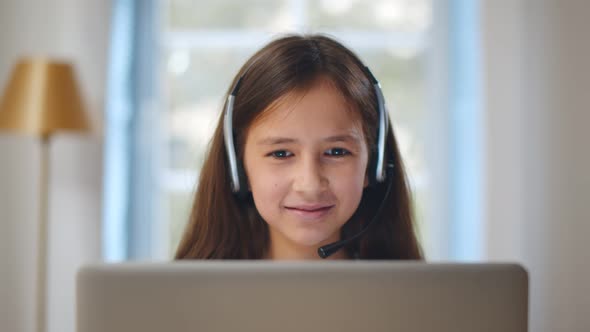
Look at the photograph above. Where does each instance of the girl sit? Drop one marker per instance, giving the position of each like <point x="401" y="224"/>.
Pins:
<point x="302" y="158"/>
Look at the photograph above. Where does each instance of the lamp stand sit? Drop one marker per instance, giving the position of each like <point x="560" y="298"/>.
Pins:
<point x="42" y="248"/>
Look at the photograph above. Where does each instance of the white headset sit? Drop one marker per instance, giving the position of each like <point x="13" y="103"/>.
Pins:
<point x="237" y="174"/>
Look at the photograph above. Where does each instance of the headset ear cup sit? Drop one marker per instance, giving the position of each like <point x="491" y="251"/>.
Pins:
<point x="372" y="169"/>
<point x="243" y="181"/>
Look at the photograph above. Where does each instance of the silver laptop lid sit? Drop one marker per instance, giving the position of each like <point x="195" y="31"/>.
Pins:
<point x="265" y="296"/>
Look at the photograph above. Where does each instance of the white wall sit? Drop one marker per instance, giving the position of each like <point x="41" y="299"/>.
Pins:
<point x="20" y="172"/>
<point x="74" y="222"/>
<point x="77" y="31"/>
<point x="537" y="69"/>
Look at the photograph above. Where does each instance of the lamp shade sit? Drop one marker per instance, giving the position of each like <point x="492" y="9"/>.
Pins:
<point x="42" y="97"/>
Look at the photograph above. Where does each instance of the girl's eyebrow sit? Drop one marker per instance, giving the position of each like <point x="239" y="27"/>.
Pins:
<point x="344" y="138"/>
<point x="275" y="141"/>
<point x="284" y="140"/>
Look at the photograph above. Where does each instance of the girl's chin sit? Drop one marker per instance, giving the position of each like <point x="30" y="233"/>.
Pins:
<point x="306" y="240"/>
<point x="312" y="242"/>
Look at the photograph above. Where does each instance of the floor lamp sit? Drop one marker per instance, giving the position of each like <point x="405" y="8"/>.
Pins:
<point x="40" y="99"/>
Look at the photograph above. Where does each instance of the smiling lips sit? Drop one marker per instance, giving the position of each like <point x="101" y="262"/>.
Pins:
<point x="310" y="212"/>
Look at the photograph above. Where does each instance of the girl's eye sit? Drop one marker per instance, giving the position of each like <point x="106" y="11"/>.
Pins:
<point x="337" y="152"/>
<point x="280" y="154"/>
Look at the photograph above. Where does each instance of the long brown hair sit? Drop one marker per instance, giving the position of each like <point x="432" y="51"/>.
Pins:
<point x="223" y="226"/>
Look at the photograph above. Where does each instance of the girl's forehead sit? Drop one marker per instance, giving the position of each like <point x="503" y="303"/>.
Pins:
<point x="320" y="105"/>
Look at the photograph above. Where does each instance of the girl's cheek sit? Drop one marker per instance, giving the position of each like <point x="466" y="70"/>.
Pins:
<point x="276" y="187"/>
<point x="270" y="184"/>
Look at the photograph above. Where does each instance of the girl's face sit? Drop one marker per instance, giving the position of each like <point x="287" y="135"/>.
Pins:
<point x="306" y="161"/>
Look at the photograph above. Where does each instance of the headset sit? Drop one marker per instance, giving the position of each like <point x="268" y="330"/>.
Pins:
<point x="380" y="168"/>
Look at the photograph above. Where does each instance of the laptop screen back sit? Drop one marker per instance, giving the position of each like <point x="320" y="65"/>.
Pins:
<point x="265" y="296"/>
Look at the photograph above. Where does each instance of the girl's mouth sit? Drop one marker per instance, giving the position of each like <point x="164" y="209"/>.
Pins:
<point x="310" y="212"/>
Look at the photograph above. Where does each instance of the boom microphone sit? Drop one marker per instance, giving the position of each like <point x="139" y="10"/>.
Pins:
<point x="329" y="249"/>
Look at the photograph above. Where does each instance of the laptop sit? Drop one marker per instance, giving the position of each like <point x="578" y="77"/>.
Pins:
<point x="265" y="296"/>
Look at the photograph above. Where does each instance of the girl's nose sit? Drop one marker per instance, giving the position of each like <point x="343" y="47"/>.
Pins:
<point x="310" y="177"/>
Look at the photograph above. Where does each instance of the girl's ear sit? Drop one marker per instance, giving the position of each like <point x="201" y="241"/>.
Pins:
<point x="366" y="184"/>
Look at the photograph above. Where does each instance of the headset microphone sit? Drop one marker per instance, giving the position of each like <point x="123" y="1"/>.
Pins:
<point x="329" y="249"/>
